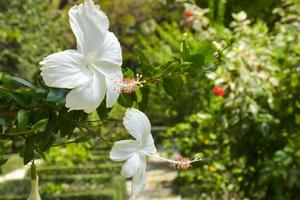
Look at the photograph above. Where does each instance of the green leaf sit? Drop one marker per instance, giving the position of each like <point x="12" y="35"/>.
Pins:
<point x="185" y="50"/>
<point x="3" y="161"/>
<point x="7" y="81"/>
<point x="67" y="122"/>
<point x="2" y="122"/>
<point x="139" y="96"/>
<point x="66" y="126"/>
<point x="22" y="82"/>
<point x="126" y="100"/>
<point x="5" y="144"/>
<point x="197" y="59"/>
<point x="169" y="68"/>
<point x="141" y="57"/>
<point x="83" y="138"/>
<point x="103" y="112"/>
<point x="28" y="152"/>
<point x="70" y="121"/>
<point x="41" y="153"/>
<point x="145" y="98"/>
<point x="172" y="85"/>
<point x="128" y="73"/>
<point x="169" y="88"/>
<point x="219" y="165"/>
<point x="40" y="124"/>
<point x="202" y="55"/>
<point x="28" y="156"/>
<point x="47" y="142"/>
<point x="56" y="95"/>
<point x="18" y="98"/>
<point x="146" y="68"/>
<point x="23" y="117"/>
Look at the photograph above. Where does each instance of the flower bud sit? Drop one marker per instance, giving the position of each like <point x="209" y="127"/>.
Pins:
<point x="34" y="193"/>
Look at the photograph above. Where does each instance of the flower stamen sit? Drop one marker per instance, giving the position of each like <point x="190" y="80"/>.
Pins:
<point x="180" y="163"/>
<point x="127" y="85"/>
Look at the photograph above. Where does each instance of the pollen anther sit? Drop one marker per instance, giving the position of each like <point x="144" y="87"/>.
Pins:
<point x="127" y="85"/>
<point x="181" y="163"/>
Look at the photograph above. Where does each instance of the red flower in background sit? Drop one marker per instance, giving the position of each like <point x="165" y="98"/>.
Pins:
<point x="188" y="14"/>
<point x="218" y="91"/>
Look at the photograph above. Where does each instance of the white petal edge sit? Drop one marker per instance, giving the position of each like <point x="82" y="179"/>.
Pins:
<point x="87" y="97"/>
<point x="131" y="166"/>
<point x="139" y="179"/>
<point x="111" y="50"/>
<point x="65" y="69"/>
<point x="122" y="150"/>
<point x="112" y="94"/>
<point x="90" y="26"/>
<point x="149" y="147"/>
<point x="137" y="124"/>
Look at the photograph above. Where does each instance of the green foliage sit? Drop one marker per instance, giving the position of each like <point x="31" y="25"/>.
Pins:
<point x="13" y="162"/>
<point x="193" y="57"/>
<point x="37" y="115"/>
<point x="29" y="32"/>
<point x="220" y="10"/>
<point x="248" y="138"/>
<point x="76" y="153"/>
<point x="4" y="146"/>
<point x="217" y="10"/>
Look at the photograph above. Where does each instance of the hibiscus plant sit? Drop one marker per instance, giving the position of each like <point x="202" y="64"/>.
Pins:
<point x="73" y="84"/>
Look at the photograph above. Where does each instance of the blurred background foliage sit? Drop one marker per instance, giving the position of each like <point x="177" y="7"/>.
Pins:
<point x="29" y="32"/>
<point x="239" y="111"/>
<point x="248" y="135"/>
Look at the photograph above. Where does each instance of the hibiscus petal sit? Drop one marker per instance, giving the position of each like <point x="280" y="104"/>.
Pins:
<point x="111" y="50"/>
<point x="89" y="24"/>
<point x="87" y="97"/>
<point x="149" y="147"/>
<point x="131" y="166"/>
<point x="112" y="73"/>
<point x="137" y="124"/>
<point x="112" y="93"/>
<point x="34" y="193"/>
<point x="139" y="179"/>
<point x="122" y="150"/>
<point x="65" y="69"/>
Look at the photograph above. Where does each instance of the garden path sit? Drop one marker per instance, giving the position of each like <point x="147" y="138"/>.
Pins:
<point x="17" y="174"/>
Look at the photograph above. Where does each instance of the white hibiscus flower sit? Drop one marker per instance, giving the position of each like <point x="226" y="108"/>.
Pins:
<point x="34" y="193"/>
<point x="135" y="152"/>
<point x="92" y="70"/>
